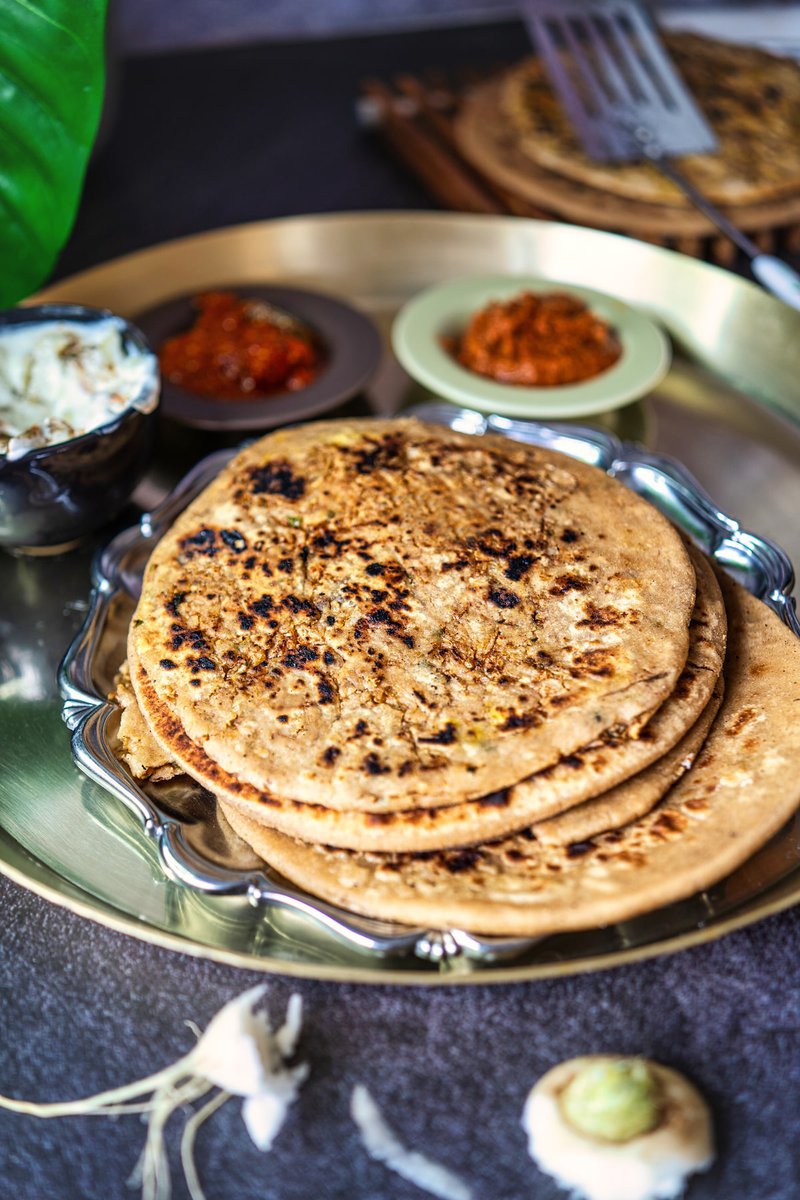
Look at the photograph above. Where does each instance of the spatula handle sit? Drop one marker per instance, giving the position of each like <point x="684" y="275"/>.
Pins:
<point x="777" y="277"/>
<point x="772" y="273"/>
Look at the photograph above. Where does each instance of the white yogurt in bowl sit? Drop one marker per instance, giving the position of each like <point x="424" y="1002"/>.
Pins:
<point x="60" y="379"/>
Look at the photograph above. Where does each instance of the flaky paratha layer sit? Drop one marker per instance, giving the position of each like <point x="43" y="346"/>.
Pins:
<point x="635" y="797"/>
<point x="379" y="615"/>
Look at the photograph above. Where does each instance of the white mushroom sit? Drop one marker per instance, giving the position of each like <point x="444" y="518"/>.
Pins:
<point x="612" y="1128"/>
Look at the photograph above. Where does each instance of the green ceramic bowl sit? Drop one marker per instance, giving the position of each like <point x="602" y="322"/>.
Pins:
<point x="444" y="311"/>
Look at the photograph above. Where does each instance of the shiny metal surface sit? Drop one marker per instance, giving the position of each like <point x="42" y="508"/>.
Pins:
<point x="71" y="840"/>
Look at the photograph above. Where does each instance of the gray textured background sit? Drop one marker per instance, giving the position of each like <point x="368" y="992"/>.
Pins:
<point x="85" y="1009"/>
<point x="146" y="25"/>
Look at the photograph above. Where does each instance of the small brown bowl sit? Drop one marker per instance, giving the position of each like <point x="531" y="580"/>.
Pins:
<point x="52" y="497"/>
<point x="350" y="342"/>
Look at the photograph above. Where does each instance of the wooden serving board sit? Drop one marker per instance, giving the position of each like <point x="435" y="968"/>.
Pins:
<point x="437" y="127"/>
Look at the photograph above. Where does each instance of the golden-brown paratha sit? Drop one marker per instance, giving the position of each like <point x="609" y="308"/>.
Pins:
<point x="377" y="615"/>
<point x="743" y="786"/>
<point x="588" y="772"/>
<point x="750" y="98"/>
<point x="635" y="796"/>
<point x="691" y="696"/>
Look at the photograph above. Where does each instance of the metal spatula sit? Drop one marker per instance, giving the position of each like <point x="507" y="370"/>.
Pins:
<point x="627" y="102"/>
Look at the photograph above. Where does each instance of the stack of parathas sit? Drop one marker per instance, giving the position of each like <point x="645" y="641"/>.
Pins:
<point x="460" y="681"/>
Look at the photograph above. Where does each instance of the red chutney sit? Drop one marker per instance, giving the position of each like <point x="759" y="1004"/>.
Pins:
<point x="538" y="340"/>
<point x="238" y="350"/>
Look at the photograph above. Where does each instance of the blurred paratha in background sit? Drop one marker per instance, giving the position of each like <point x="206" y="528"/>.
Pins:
<point x="750" y="98"/>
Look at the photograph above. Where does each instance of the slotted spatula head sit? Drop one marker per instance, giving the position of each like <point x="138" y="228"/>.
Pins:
<point x="621" y="91"/>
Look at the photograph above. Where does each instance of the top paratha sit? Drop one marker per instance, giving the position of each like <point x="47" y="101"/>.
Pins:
<point x="379" y="614"/>
<point x="750" y="98"/>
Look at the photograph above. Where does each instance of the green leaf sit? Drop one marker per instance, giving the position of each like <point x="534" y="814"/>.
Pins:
<point x="52" y="75"/>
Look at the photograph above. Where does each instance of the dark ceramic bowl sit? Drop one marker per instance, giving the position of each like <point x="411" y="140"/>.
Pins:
<point x="52" y="497"/>
<point x="351" y="344"/>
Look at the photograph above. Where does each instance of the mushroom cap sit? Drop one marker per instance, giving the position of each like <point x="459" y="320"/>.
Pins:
<point x="650" y="1166"/>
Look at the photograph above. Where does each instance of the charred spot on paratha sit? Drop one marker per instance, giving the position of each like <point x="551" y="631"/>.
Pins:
<point x="568" y="583"/>
<point x="276" y="478"/>
<point x="503" y="597"/>
<point x="602" y="616"/>
<point x="173" y="604"/>
<point x="234" y="540"/>
<point x="743" y="718"/>
<point x="384" y="453"/>
<point x="444" y="737"/>
<point x="518" y="566"/>
<point x="522" y="720"/>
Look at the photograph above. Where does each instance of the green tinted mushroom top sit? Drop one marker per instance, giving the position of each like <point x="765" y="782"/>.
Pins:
<point x="614" y="1100"/>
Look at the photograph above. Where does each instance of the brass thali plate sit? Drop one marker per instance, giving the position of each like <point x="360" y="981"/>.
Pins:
<point x="68" y="839"/>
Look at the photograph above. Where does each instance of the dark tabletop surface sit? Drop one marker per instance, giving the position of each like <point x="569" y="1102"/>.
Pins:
<point x="215" y="138"/>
